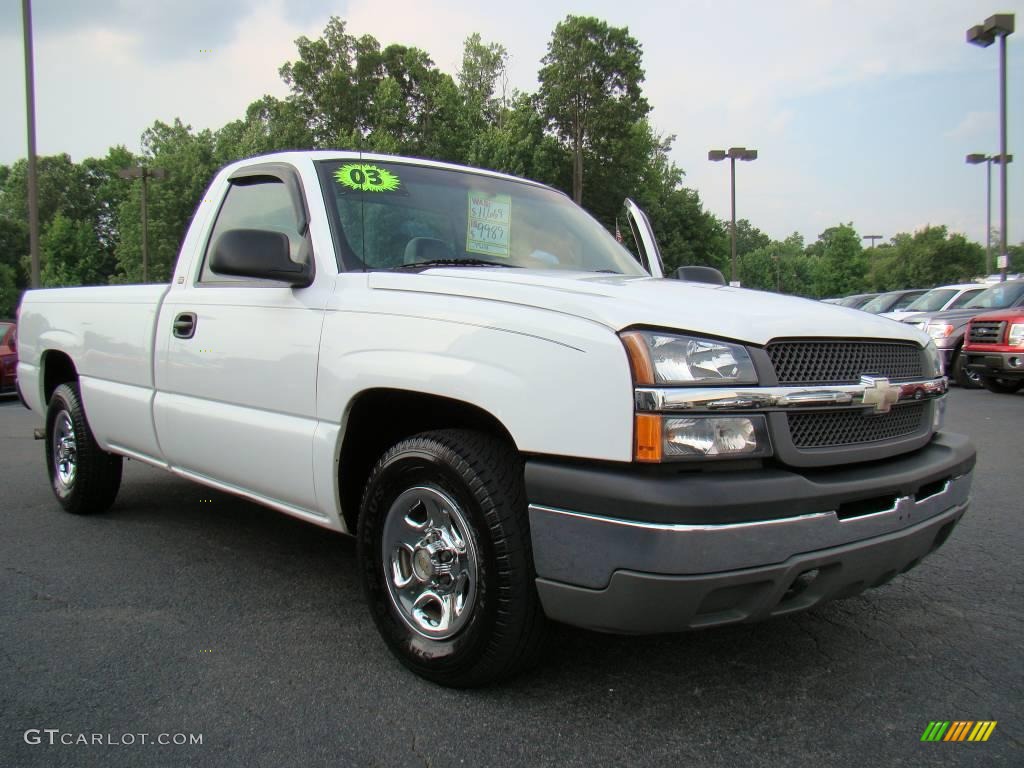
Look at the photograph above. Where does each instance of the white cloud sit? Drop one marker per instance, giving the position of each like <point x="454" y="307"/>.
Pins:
<point x="973" y="124"/>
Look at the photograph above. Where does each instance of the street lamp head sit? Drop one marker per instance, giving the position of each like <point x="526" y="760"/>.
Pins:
<point x="999" y="25"/>
<point x="997" y="159"/>
<point x="750" y="154"/>
<point x="975" y="158"/>
<point x="977" y="35"/>
<point x="130" y="173"/>
<point x="716" y="155"/>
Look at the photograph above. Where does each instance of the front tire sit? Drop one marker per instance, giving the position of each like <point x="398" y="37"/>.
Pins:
<point x="84" y="478"/>
<point x="445" y="558"/>
<point x="964" y="377"/>
<point x="1002" y="386"/>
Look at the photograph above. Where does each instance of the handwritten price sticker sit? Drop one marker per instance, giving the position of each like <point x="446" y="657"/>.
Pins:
<point x="489" y="224"/>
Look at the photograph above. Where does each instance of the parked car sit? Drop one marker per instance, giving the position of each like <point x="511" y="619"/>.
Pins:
<point x="8" y="357"/>
<point x="937" y="300"/>
<point x="856" y="301"/>
<point x="516" y="419"/>
<point x="947" y="328"/>
<point x="994" y="349"/>
<point x="893" y="301"/>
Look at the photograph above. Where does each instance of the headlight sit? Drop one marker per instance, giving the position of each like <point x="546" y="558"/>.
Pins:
<point x="1016" y="337"/>
<point x="667" y="438"/>
<point x="939" y="330"/>
<point x="931" y="353"/>
<point x="663" y="358"/>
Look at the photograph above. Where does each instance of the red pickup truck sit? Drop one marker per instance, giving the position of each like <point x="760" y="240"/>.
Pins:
<point x="994" y="349"/>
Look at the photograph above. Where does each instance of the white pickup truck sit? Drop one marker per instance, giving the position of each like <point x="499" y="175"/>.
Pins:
<point x="517" y="419"/>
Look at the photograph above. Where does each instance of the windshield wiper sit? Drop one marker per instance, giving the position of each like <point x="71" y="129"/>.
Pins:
<point x="454" y="263"/>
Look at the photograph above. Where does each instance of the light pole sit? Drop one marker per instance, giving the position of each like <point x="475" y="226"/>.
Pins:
<point x="144" y="173"/>
<point x="1000" y="25"/>
<point x="872" y="238"/>
<point x="30" y="113"/>
<point x="977" y="158"/>
<point x="734" y="154"/>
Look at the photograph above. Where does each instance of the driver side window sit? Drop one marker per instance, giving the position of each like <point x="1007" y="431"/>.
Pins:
<point x="259" y="202"/>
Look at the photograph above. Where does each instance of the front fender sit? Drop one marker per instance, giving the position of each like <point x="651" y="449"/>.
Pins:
<point x="554" y="397"/>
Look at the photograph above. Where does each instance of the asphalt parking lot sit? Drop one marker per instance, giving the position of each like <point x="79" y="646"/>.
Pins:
<point x="188" y="611"/>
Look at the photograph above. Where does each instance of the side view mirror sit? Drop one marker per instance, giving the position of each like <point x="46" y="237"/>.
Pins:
<point x="700" y="275"/>
<point x="259" y="253"/>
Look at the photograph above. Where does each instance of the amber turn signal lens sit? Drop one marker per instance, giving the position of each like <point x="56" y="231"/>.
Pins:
<point x="648" y="437"/>
<point x="639" y="358"/>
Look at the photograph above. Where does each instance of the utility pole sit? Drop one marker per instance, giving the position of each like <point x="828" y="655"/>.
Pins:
<point x="144" y="173"/>
<point x="30" y="113"/>
<point x="1000" y="25"/>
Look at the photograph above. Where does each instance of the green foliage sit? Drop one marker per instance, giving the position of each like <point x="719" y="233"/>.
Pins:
<point x="590" y="91"/>
<point x="838" y="263"/>
<point x="483" y="81"/>
<point x="929" y="257"/>
<point x="191" y="161"/>
<point x="70" y="253"/>
<point x="10" y="291"/>
<point x="774" y="265"/>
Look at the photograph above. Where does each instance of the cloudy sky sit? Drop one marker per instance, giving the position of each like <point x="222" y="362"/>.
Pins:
<point x="862" y="110"/>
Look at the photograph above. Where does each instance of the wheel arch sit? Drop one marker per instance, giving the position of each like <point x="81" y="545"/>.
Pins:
<point x="378" y="418"/>
<point x="57" y="368"/>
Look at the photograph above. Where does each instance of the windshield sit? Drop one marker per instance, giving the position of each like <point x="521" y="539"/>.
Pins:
<point x="4" y="328"/>
<point x="881" y="303"/>
<point x="997" y="297"/>
<point x="394" y="216"/>
<point x="931" y="301"/>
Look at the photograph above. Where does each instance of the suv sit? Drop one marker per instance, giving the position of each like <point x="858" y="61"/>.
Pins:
<point x="947" y="328"/>
<point x="994" y="350"/>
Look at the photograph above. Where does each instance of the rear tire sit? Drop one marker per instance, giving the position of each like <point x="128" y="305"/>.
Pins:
<point x="964" y="377"/>
<point x="84" y="478"/>
<point x="1002" y="386"/>
<point x="446" y="561"/>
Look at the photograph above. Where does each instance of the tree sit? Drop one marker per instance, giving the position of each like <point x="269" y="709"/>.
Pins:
<point x="71" y="254"/>
<point x="590" y="90"/>
<point x="838" y="264"/>
<point x="519" y="145"/>
<point x="776" y="265"/>
<point x="929" y="257"/>
<point x="749" y="238"/>
<point x="483" y="74"/>
<point x="190" y="160"/>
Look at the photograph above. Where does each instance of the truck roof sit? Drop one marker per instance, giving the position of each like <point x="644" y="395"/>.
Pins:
<point x="320" y="155"/>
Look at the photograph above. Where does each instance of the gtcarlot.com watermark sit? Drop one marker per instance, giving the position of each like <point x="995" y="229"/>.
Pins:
<point x="55" y="737"/>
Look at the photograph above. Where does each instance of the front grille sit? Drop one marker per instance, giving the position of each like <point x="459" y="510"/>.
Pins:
<point x="824" y="429"/>
<point x="844" y="362"/>
<point x="986" y="332"/>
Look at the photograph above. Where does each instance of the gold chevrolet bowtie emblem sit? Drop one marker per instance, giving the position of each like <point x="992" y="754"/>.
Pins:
<point x="880" y="393"/>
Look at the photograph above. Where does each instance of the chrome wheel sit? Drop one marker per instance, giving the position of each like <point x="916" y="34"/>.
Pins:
<point x="430" y="562"/>
<point x="65" y="450"/>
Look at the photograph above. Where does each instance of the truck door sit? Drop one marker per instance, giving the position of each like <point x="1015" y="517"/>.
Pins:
<point x="647" y="251"/>
<point x="237" y="357"/>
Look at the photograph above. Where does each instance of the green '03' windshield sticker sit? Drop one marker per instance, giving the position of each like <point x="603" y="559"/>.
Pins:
<point x="368" y="178"/>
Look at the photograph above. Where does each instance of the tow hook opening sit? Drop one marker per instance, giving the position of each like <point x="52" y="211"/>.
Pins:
<point x="800" y="584"/>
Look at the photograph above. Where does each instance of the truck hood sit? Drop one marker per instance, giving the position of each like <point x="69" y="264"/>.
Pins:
<point x="957" y="317"/>
<point x="621" y="301"/>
